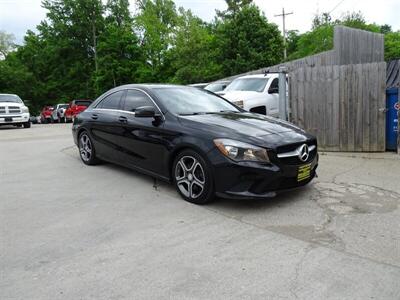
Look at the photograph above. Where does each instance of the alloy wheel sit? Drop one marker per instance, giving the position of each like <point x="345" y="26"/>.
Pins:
<point x="189" y="177"/>
<point x="85" y="147"/>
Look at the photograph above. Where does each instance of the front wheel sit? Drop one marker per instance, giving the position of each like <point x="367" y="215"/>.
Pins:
<point x="86" y="149"/>
<point x="27" y="125"/>
<point x="193" y="178"/>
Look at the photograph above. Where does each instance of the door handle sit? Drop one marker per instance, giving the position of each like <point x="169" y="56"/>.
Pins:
<point x="95" y="116"/>
<point x="123" y="119"/>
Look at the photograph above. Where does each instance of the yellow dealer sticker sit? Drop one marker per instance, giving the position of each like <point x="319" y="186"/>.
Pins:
<point x="304" y="172"/>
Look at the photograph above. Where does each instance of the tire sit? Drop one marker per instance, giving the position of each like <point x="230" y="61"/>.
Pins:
<point x="193" y="178"/>
<point x="87" y="152"/>
<point x="27" y="125"/>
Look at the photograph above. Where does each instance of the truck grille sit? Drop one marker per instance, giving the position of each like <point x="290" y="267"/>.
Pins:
<point x="14" y="110"/>
<point x="6" y="110"/>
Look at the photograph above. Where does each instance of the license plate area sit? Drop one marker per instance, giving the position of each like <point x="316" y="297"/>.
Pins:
<point x="8" y="119"/>
<point x="304" y="172"/>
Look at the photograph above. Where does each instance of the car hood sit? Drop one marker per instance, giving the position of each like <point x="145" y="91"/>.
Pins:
<point x="247" y="127"/>
<point x="241" y="95"/>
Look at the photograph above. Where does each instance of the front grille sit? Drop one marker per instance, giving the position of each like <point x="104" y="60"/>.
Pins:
<point x="14" y="110"/>
<point x="2" y="110"/>
<point x="295" y="160"/>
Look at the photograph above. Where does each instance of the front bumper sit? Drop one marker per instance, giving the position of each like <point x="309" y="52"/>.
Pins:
<point x="254" y="180"/>
<point x="15" y="119"/>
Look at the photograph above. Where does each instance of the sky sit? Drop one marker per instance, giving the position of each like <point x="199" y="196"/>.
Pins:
<point x="17" y="16"/>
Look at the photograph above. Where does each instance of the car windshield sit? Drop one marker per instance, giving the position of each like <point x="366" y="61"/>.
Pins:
<point x="10" y="98"/>
<point x="248" y="84"/>
<point x="216" y="87"/>
<point x="83" y="103"/>
<point x="189" y="101"/>
<point x="63" y="106"/>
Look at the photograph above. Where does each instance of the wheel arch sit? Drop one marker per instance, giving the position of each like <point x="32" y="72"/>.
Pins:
<point x="175" y="152"/>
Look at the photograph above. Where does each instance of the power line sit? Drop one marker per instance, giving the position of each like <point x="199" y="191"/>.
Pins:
<point x="337" y="5"/>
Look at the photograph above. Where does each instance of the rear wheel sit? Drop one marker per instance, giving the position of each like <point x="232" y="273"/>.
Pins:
<point x="86" y="149"/>
<point x="193" y="178"/>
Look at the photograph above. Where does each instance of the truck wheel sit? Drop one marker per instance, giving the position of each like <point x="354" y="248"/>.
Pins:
<point x="27" y="125"/>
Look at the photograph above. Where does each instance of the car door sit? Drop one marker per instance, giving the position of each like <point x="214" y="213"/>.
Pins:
<point x="141" y="139"/>
<point x="272" y="94"/>
<point x="104" y="125"/>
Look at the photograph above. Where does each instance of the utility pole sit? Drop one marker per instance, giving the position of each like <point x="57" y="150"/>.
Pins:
<point x="283" y="15"/>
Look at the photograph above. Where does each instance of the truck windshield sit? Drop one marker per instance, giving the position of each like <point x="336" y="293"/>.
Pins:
<point x="10" y="98"/>
<point x="248" y="84"/>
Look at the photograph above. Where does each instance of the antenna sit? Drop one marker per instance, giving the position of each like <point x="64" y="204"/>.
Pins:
<point x="283" y="15"/>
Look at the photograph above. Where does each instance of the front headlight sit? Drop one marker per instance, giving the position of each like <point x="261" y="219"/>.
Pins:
<point x="239" y="151"/>
<point x="25" y="109"/>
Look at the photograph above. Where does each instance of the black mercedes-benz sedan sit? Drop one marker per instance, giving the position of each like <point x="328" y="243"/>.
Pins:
<point x="198" y="141"/>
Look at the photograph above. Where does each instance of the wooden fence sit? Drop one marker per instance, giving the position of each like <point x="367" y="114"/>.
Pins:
<point x="342" y="105"/>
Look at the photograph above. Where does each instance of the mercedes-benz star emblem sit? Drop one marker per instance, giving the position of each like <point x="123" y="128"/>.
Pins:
<point x="304" y="152"/>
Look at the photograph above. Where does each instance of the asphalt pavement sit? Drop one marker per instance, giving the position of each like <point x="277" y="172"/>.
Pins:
<point x="70" y="231"/>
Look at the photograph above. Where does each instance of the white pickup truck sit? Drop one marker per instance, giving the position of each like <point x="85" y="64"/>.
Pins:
<point x="13" y="111"/>
<point x="255" y="93"/>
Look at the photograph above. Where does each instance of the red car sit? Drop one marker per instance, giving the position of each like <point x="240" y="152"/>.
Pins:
<point x="76" y="107"/>
<point x="45" y="114"/>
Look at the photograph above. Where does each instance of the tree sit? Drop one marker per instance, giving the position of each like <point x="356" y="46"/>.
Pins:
<point x="156" y="20"/>
<point x="392" y="45"/>
<point x="234" y="7"/>
<point x="6" y="43"/>
<point x="120" y="57"/>
<point x="247" y="41"/>
<point x="292" y="38"/>
<point x="194" y="55"/>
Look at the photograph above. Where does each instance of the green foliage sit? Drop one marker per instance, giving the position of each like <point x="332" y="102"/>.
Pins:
<point x="247" y="41"/>
<point x="392" y="45"/>
<point x="194" y="56"/>
<point x="156" y="21"/>
<point x="119" y="55"/>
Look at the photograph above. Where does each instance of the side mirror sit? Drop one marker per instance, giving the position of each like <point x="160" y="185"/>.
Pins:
<point x="273" y="90"/>
<point x="145" y="112"/>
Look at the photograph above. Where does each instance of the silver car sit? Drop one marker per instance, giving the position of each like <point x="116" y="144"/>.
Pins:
<point x="58" y="114"/>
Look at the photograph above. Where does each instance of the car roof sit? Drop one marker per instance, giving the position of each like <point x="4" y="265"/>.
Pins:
<point x="9" y="95"/>
<point x="268" y="75"/>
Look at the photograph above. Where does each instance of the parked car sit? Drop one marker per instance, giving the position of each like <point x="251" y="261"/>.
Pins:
<point x="13" y="111"/>
<point x="45" y="114"/>
<point x="74" y="108"/>
<point x="255" y="93"/>
<point x="35" y="119"/>
<point x="200" y="142"/>
<point x="217" y="87"/>
<point x="199" y="85"/>
<point x="58" y="114"/>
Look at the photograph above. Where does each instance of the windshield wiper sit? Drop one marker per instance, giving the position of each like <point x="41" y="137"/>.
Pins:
<point x="192" y="114"/>
<point x="230" y="111"/>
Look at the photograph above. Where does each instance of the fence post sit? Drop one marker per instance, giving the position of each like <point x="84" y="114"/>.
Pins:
<point x="282" y="94"/>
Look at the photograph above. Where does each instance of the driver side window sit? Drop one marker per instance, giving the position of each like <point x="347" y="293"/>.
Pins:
<point x="274" y="87"/>
<point x="135" y="99"/>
